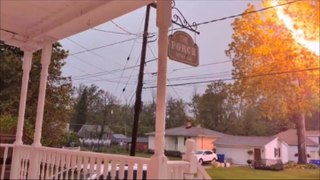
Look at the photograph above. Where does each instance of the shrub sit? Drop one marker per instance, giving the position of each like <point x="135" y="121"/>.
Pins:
<point x="294" y="165"/>
<point x="265" y="164"/>
<point x="311" y="166"/>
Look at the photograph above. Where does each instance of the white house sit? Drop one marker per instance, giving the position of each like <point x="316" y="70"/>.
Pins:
<point x="235" y="148"/>
<point x="175" y="138"/>
<point x="290" y="138"/>
<point x="282" y="146"/>
<point x="35" y="25"/>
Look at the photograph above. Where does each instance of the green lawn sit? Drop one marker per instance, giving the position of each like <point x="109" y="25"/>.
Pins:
<point x="247" y="173"/>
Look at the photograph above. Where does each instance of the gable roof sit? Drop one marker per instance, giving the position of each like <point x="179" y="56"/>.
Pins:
<point x="91" y="131"/>
<point x="313" y="133"/>
<point x="244" y="141"/>
<point x="290" y="137"/>
<point x="119" y="136"/>
<point x="190" y="132"/>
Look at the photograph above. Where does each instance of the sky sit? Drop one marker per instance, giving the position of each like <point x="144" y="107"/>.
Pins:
<point x="114" y="67"/>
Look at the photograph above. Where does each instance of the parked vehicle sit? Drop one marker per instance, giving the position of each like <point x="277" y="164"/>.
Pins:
<point x="205" y="156"/>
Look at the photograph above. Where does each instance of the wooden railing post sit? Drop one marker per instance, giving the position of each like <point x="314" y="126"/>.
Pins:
<point x="34" y="164"/>
<point x="191" y="158"/>
<point x="15" y="162"/>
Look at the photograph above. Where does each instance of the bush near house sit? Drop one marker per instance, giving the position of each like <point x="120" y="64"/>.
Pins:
<point x="267" y="164"/>
<point x="294" y="165"/>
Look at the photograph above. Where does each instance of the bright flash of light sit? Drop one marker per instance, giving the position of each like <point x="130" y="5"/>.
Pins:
<point x="297" y="34"/>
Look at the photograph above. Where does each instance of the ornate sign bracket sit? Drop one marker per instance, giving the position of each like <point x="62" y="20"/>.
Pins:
<point x="180" y="20"/>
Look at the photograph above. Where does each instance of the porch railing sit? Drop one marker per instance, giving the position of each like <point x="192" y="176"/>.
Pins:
<point x="30" y="162"/>
<point x="5" y="158"/>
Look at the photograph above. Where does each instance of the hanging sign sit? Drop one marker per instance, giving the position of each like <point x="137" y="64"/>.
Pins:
<point x="183" y="49"/>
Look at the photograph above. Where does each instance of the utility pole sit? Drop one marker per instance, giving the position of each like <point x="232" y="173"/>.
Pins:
<point x="137" y="105"/>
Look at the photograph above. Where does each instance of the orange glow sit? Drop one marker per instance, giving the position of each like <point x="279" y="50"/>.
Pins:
<point x="297" y="34"/>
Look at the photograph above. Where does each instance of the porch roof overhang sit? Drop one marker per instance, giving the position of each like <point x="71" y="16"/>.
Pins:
<point x="32" y="23"/>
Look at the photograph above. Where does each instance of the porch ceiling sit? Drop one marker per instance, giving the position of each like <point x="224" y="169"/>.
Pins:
<point x="34" y="22"/>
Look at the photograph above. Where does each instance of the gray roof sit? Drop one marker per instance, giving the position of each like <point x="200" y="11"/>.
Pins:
<point x="119" y="136"/>
<point x="313" y="133"/>
<point x="92" y="131"/>
<point x="244" y="141"/>
<point x="194" y="131"/>
<point x="290" y="137"/>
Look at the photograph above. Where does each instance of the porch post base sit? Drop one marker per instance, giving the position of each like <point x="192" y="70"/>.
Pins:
<point x="157" y="168"/>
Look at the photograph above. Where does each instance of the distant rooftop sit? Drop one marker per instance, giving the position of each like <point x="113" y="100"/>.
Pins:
<point x="290" y="137"/>
<point x="238" y="141"/>
<point x="193" y="131"/>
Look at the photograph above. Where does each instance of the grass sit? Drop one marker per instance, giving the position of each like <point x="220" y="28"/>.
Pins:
<point x="248" y="173"/>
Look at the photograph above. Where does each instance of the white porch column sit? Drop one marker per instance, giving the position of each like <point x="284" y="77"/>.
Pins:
<point x="26" y="66"/>
<point x="45" y="61"/>
<point x="158" y="164"/>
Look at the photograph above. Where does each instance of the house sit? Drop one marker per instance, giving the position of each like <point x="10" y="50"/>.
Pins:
<point x="314" y="136"/>
<point x="175" y="138"/>
<point x="141" y="144"/>
<point x="36" y="25"/>
<point x="235" y="148"/>
<point x="290" y="138"/>
<point x="90" y="135"/>
<point x="118" y="139"/>
<point x="282" y="146"/>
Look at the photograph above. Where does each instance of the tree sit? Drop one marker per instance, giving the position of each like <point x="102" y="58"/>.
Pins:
<point x="274" y="72"/>
<point x="81" y="110"/>
<point x="176" y="115"/>
<point x="212" y="106"/>
<point x="58" y="93"/>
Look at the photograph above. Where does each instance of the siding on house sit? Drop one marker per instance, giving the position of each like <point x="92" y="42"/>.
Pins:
<point x="170" y="143"/>
<point x="181" y="144"/>
<point x="270" y="148"/>
<point x="175" y="138"/>
<point x="284" y="151"/>
<point x="151" y="140"/>
<point x="294" y="149"/>
<point x="205" y="142"/>
<point x="237" y="155"/>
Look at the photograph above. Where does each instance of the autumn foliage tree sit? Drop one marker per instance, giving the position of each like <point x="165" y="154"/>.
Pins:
<point x="273" y="71"/>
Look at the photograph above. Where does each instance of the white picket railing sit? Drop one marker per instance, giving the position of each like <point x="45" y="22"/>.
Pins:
<point x="55" y="163"/>
<point x="176" y="169"/>
<point x="30" y="162"/>
<point x="6" y="153"/>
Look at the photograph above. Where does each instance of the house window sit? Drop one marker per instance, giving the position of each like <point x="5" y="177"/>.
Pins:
<point x="276" y="152"/>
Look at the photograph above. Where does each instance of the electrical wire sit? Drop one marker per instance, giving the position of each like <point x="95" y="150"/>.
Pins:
<point x="241" y="14"/>
<point x="92" y="52"/>
<point x="101" y="73"/>
<point x="107" y="45"/>
<point x="231" y="79"/>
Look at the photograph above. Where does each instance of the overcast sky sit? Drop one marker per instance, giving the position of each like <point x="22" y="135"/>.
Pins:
<point x="109" y="68"/>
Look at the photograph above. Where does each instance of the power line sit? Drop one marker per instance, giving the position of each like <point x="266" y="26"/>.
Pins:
<point x="121" y="28"/>
<point x="101" y="73"/>
<point x="230" y="79"/>
<point x="100" y="47"/>
<point x="207" y="64"/>
<point x="114" y="32"/>
<point x="241" y="14"/>
<point x="92" y="52"/>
